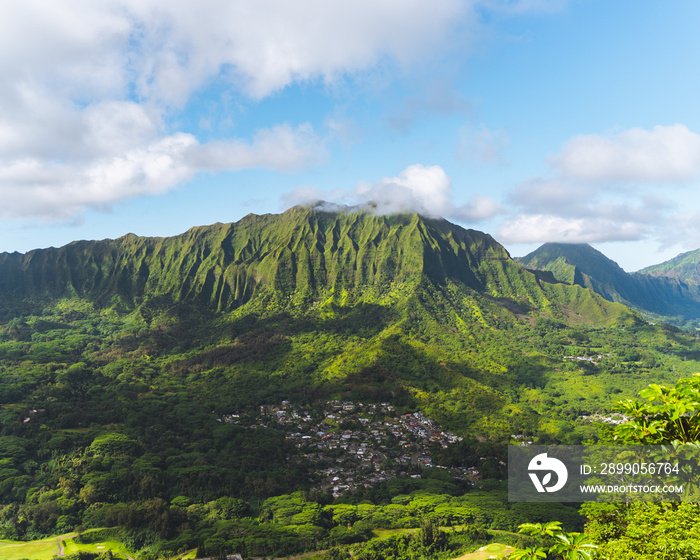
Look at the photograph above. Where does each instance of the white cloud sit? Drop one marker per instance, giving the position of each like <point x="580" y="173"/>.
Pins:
<point x="37" y="188"/>
<point x="89" y="87"/>
<point x="426" y="190"/>
<point x="419" y="188"/>
<point x="541" y="228"/>
<point x="480" y="208"/>
<point x="601" y="188"/>
<point x="166" y="50"/>
<point x="310" y="194"/>
<point x="666" y="154"/>
<point x="554" y="196"/>
<point x="482" y="145"/>
<point x="435" y="98"/>
<point x="282" y="148"/>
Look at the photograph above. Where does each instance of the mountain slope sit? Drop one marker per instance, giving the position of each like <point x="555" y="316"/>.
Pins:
<point x="665" y="296"/>
<point x="306" y="302"/>
<point x="685" y="267"/>
<point x="582" y="265"/>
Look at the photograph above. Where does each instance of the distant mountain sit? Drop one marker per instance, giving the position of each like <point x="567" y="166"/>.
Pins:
<point x="660" y="292"/>
<point x="582" y="265"/>
<point x="685" y="267"/>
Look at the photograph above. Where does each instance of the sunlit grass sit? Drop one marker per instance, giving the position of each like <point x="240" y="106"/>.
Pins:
<point x="117" y="548"/>
<point x="493" y="550"/>
<point x="46" y="549"/>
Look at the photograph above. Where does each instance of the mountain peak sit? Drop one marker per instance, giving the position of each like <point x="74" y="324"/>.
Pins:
<point x="574" y="263"/>
<point x="659" y="292"/>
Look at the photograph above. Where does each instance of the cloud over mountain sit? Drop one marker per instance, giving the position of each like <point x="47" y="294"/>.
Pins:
<point x="425" y="189"/>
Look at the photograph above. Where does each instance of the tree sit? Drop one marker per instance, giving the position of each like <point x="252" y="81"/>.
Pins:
<point x="669" y="415"/>
<point x="567" y="546"/>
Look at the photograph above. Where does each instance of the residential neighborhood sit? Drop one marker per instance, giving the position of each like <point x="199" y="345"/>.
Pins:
<point x="355" y="445"/>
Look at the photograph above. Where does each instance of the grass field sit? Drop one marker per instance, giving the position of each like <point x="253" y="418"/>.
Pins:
<point x="383" y="533"/>
<point x="116" y="547"/>
<point x="46" y="549"/>
<point x="493" y="550"/>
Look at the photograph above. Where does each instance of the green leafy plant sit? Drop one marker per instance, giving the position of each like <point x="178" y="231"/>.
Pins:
<point x="557" y="543"/>
<point x="670" y="414"/>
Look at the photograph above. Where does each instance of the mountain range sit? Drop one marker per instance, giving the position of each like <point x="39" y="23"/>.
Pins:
<point x="309" y="257"/>
<point x="307" y="302"/>
<point x="296" y="261"/>
<point x="668" y="292"/>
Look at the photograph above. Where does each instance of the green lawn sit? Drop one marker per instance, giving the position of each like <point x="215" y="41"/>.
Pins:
<point x="43" y="549"/>
<point x="383" y="533"/>
<point x="46" y="549"/>
<point x="116" y="547"/>
<point x="493" y="550"/>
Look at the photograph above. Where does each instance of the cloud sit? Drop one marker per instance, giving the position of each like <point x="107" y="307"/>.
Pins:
<point x="93" y="88"/>
<point x="89" y="87"/>
<point x="553" y="195"/>
<point x="666" y="154"/>
<point x="480" y="208"/>
<point x="282" y="148"/>
<point x="37" y="188"/>
<point x="562" y="211"/>
<point x="602" y="188"/>
<point x="426" y="190"/>
<point x="419" y="188"/>
<point x="310" y="194"/>
<point x="541" y="228"/>
<point x="515" y="7"/>
<point x="438" y="99"/>
<point x="167" y="50"/>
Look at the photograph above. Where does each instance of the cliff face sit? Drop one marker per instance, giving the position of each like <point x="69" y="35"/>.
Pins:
<point x="291" y="261"/>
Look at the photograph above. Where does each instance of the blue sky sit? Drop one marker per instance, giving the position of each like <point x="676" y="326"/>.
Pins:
<point x="531" y="120"/>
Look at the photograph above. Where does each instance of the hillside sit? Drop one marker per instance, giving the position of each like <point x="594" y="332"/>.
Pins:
<point x="172" y="386"/>
<point x="659" y="293"/>
<point x="685" y="267"/>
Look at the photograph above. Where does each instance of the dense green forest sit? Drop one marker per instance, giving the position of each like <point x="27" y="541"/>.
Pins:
<point x="138" y="376"/>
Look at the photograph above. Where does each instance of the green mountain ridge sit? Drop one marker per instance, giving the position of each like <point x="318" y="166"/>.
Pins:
<point x="685" y="267"/>
<point x="305" y="303"/>
<point x="292" y="261"/>
<point x="658" y="295"/>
